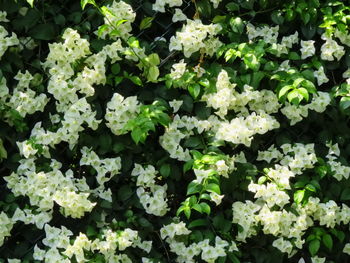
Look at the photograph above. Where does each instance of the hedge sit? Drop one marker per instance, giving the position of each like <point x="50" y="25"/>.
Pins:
<point x="174" y="131"/>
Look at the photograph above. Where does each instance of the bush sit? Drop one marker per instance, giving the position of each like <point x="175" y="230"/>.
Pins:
<point x="174" y="131"/>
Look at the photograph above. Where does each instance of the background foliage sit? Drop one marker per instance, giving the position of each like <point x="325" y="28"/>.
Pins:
<point x="247" y="63"/>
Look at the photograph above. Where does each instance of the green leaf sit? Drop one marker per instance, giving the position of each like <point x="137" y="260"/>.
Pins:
<point x="136" y="80"/>
<point x="187" y="212"/>
<point x="314" y="246"/>
<point x="297" y="82"/>
<point x="205" y="196"/>
<point x="198" y="222"/>
<point x="251" y="61"/>
<point x="344" y="103"/>
<point x="305" y="16"/>
<point x="204" y="8"/>
<point x="180" y="209"/>
<point x="339" y="234"/>
<point x="187" y="166"/>
<point x="83" y="3"/>
<point x="3" y="152"/>
<point x="283" y="91"/>
<point x="345" y="195"/>
<point x="262" y="180"/>
<point x="133" y="42"/>
<point x="309" y="86"/>
<point x="237" y="25"/>
<point x="197" y="207"/>
<point x="118" y="79"/>
<point x="194" y="90"/>
<point x="277" y="17"/>
<point x="233" y="257"/>
<point x="30" y="2"/>
<point x="327" y="241"/>
<point x="311" y="188"/>
<point x="230" y="53"/>
<point x="213" y="188"/>
<point x="298" y="196"/>
<point x="153" y="74"/>
<point x="115" y="69"/>
<point x="153" y="59"/>
<point x="165" y="170"/>
<point x="192" y="200"/>
<point x="43" y="31"/>
<point x="91" y="231"/>
<point x="294" y="56"/>
<point x="124" y="192"/>
<point x="205" y="208"/>
<point x="193" y="142"/>
<point x="232" y="7"/>
<point x="294" y="97"/>
<point x="146" y="23"/>
<point x="193" y="188"/>
<point x="138" y="135"/>
<point x="303" y="92"/>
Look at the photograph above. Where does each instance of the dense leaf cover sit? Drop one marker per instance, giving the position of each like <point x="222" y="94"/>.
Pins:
<point x="174" y="131"/>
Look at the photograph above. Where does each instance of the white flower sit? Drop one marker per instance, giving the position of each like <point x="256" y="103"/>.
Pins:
<point x="347" y="248"/>
<point x="320" y="76"/>
<point x="307" y="48"/>
<point x="175" y="104"/>
<point x="316" y="259"/>
<point x="179" y="16"/>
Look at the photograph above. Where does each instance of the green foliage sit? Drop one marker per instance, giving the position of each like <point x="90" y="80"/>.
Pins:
<point x="211" y="175"/>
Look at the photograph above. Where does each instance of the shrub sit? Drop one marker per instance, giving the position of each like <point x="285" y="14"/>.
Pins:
<point x="174" y="131"/>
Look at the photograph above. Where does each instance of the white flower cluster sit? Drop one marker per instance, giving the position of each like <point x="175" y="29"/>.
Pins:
<point x="307" y="48"/>
<point x="320" y="76"/>
<point x="113" y="49"/>
<point x="5" y="227"/>
<point x="5" y="40"/>
<point x="328" y="214"/>
<point x="153" y="197"/>
<point x="226" y="98"/>
<point x="61" y="246"/>
<point x="186" y="254"/>
<point x="269" y="34"/>
<point x="195" y="36"/>
<point x="76" y="115"/>
<point x="319" y="103"/>
<point x="241" y="130"/>
<point x="119" y="111"/>
<point x="278" y="223"/>
<point x="62" y="55"/>
<point x="175" y="104"/>
<point x="55" y="239"/>
<point x="117" y="12"/>
<point x="119" y="241"/>
<point x="281" y="175"/>
<point x="295" y="159"/>
<point x="343" y="37"/>
<point x="23" y="99"/>
<point x="215" y="3"/>
<point x="28" y="216"/>
<point x="178" y="69"/>
<point x="3" y="15"/>
<point x="103" y="167"/>
<point x="179" y="16"/>
<point x="159" y="5"/>
<point x="339" y="171"/>
<point x="43" y="189"/>
<point x="331" y="49"/>
<point x="179" y="129"/>
<point x="270" y="194"/>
